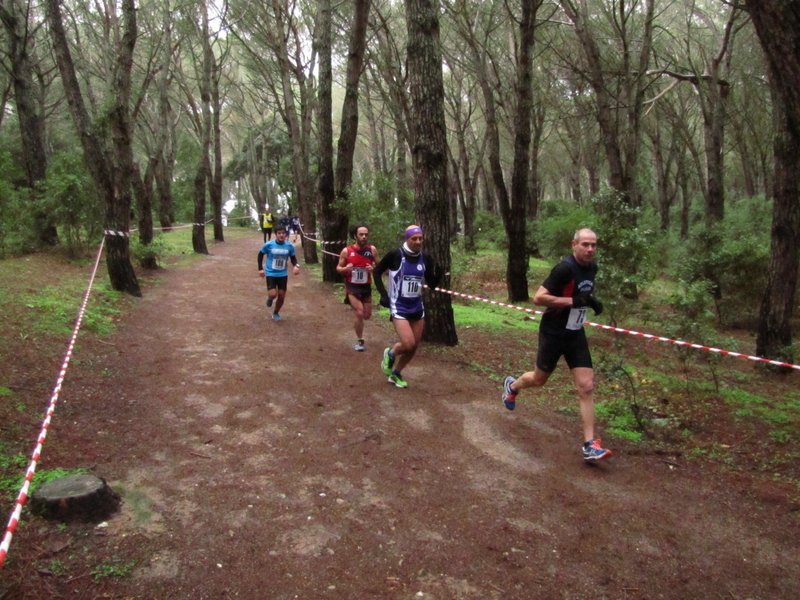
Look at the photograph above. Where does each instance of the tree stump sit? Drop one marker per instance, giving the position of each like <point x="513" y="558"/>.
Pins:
<point x="75" y="498"/>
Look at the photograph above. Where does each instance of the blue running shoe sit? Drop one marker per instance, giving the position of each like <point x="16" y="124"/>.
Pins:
<point x="276" y="317"/>
<point x="387" y="362"/>
<point x="509" y="395"/>
<point x="592" y="450"/>
<point x="269" y="301"/>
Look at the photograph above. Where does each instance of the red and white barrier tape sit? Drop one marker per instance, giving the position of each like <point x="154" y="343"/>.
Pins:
<point x="631" y="332"/>
<point x="23" y="494"/>
<point x="309" y="238"/>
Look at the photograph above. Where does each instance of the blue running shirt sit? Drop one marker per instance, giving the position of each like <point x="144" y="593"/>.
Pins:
<point x="277" y="258"/>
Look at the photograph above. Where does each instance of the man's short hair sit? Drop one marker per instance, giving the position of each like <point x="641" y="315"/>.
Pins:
<point x="280" y="228"/>
<point x="577" y="235"/>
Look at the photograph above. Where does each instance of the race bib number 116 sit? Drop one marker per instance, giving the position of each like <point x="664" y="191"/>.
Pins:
<point x="412" y="286"/>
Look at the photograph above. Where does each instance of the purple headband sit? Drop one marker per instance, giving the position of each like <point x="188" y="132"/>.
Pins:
<point x="413" y="231"/>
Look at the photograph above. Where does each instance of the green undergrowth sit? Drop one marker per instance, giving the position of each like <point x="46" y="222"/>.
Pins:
<point x="54" y="310"/>
<point x="115" y="567"/>
<point x="780" y="415"/>
<point x="13" y="465"/>
<point x="492" y="318"/>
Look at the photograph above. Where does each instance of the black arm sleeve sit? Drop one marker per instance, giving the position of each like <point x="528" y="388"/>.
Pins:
<point x="261" y="256"/>
<point x="294" y="260"/>
<point x="391" y="260"/>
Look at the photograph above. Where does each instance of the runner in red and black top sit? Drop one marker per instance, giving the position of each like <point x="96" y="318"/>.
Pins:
<point x="567" y="293"/>
<point x="356" y="263"/>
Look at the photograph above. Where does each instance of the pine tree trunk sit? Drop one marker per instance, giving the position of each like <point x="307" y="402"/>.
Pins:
<point x="327" y="194"/>
<point x="215" y="184"/>
<point x="517" y="267"/>
<point x="429" y="153"/>
<point x="111" y="171"/>
<point x="777" y="304"/>
<point x="777" y="23"/>
<point x="27" y="98"/>
<point x="143" y="187"/>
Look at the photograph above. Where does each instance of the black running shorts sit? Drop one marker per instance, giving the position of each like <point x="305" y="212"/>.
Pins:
<point x="277" y="282"/>
<point x="571" y="345"/>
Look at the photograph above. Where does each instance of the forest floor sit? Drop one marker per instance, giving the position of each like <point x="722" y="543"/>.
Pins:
<point x="268" y="460"/>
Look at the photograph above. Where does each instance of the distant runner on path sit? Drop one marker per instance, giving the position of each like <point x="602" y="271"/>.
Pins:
<point x="356" y="263"/>
<point x="266" y="226"/>
<point x="278" y="252"/>
<point x="407" y="266"/>
<point x="567" y="293"/>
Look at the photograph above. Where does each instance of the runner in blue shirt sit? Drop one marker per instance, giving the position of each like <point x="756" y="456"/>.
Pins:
<point x="278" y="252"/>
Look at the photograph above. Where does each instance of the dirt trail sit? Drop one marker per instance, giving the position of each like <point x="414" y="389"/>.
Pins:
<point x="265" y="460"/>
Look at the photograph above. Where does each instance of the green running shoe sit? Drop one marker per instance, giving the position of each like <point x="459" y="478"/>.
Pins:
<point x="398" y="380"/>
<point x="387" y="362"/>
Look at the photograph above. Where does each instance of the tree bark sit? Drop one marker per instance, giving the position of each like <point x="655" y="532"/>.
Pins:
<point x="467" y="187"/>
<point x="203" y="172"/>
<point x="515" y="216"/>
<point x="165" y="152"/>
<point x="534" y="183"/>
<point x="298" y="122"/>
<point x="335" y="220"/>
<point x="325" y="177"/>
<point x="27" y="98"/>
<point x="111" y="171"/>
<point x="429" y="154"/>
<point x="143" y="187"/>
<point x="777" y="24"/>
<point x="774" y="338"/>
<point x="215" y="184"/>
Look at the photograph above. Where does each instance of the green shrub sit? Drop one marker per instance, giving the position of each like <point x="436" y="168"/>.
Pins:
<point x="559" y="219"/>
<point x="17" y="234"/>
<point x="157" y="249"/>
<point x="625" y="245"/>
<point x="68" y="192"/>
<point x="693" y="322"/>
<point x="490" y="233"/>
<point x="625" y="248"/>
<point x="734" y="257"/>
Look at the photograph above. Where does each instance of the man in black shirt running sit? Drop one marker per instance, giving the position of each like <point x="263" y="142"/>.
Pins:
<point x="567" y="294"/>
